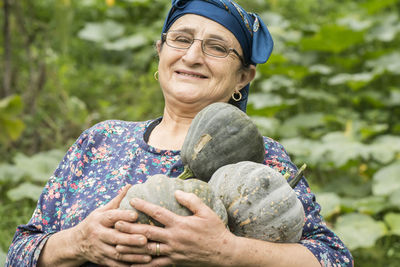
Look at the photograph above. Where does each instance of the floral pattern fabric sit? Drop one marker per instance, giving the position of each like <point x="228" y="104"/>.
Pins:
<point x="113" y="153"/>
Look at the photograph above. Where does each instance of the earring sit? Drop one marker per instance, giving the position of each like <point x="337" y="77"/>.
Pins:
<point x="156" y="75"/>
<point x="237" y="96"/>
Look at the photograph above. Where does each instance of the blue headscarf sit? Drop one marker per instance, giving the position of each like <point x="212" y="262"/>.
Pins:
<point x="248" y="28"/>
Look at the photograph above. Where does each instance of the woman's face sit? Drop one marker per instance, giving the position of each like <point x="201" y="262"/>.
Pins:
<point x="194" y="78"/>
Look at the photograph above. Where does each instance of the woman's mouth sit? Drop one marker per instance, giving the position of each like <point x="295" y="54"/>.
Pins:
<point x="191" y="74"/>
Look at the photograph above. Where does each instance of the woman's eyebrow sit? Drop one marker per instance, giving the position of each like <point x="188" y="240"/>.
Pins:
<point x="218" y="37"/>
<point x="192" y="31"/>
<point x="185" y="29"/>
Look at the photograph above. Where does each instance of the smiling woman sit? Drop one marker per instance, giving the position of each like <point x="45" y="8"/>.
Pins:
<point x="208" y="53"/>
<point x="195" y="75"/>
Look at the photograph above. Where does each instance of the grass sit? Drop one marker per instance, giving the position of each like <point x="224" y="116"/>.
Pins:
<point x="13" y="214"/>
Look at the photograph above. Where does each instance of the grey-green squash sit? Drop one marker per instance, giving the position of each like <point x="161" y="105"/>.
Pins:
<point x="259" y="201"/>
<point x="220" y="134"/>
<point x="159" y="189"/>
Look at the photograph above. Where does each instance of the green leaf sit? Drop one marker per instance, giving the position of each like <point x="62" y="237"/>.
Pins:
<point x="101" y="31"/>
<point x="320" y="69"/>
<point x="387" y="30"/>
<point x="354" y="81"/>
<point x="11" y="106"/>
<point x="13" y="128"/>
<point x="394" y="198"/>
<point x="386" y="180"/>
<point x="76" y="110"/>
<point x="296" y="72"/>
<point x="387" y="62"/>
<point x="276" y="82"/>
<point x="332" y="38"/>
<point x="355" y="23"/>
<point x="359" y="230"/>
<point x="347" y="204"/>
<point x="394" y="99"/>
<point x="40" y="166"/>
<point x="130" y="42"/>
<point x="267" y="126"/>
<point x="3" y="257"/>
<point x="318" y="95"/>
<point x="262" y="100"/>
<point x="385" y="148"/>
<point x="25" y="190"/>
<point x="329" y="202"/>
<point x="294" y="125"/>
<point x="138" y="1"/>
<point x="371" y="204"/>
<point x="339" y="149"/>
<point x="374" y="6"/>
<point x="10" y="172"/>
<point x="298" y="146"/>
<point x="393" y="221"/>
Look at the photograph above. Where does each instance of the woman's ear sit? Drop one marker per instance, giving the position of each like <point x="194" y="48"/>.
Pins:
<point x="246" y="75"/>
<point x="159" y="46"/>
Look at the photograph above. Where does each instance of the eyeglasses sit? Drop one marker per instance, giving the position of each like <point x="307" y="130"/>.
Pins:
<point x="209" y="46"/>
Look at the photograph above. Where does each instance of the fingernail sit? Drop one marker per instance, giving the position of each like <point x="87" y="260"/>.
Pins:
<point x="147" y="258"/>
<point x="133" y="201"/>
<point x="142" y="240"/>
<point x="133" y="216"/>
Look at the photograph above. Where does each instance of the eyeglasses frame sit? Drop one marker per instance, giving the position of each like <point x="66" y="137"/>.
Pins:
<point x="164" y="39"/>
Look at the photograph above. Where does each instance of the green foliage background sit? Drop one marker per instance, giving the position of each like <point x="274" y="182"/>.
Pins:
<point x="330" y="93"/>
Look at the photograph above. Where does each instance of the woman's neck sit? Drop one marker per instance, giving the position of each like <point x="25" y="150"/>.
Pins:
<point x="171" y="132"/>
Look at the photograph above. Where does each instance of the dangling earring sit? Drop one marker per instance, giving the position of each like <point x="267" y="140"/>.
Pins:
<point x="237" y="96"/>
<point x="156" y="75"/>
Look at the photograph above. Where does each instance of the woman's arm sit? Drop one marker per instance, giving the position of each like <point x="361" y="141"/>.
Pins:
<point x="58" y="230"/>
<point x="94" y="240"/>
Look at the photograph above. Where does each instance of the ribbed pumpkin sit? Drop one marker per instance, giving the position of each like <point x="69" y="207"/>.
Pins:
<point x="259" y="201"/>
<point x="159" y="189"/>
<point x="220" y="134"/>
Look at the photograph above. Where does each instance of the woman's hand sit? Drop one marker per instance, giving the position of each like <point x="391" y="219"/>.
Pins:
<point x="196" y="240"/>
<point x="95" y="240"/>
<point x="98" y="239"/>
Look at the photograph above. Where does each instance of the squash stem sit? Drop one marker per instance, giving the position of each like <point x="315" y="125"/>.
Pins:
<point x="298" y="176"/>
<point x="186" y="174"/>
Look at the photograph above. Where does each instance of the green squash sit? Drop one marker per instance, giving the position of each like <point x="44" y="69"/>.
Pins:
<point x="159" y="189"/>
<point x="259" y="201"/>
<point x="220" y="134"/>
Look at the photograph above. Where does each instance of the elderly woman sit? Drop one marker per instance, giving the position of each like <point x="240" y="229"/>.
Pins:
<point x="207" y="53"/>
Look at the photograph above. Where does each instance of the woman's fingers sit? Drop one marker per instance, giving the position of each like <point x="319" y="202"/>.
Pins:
<point x="115" y="237"/>
<point x="114" y="203"/>
<point x="158" y="213"/>
<point x="112" y="254"/>
<point x="149" y="249"/>
<point x="110" y="217"/>
<point x="151" y="232"/>
<point x="192" y="202"/>
<point x="158" y="261"/>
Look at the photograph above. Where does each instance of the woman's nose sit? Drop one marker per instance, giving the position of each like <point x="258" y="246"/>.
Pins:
<point x="194" y="54"/>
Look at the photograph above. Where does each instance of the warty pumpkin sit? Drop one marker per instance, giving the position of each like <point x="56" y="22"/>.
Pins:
<point x="259" y="202"/>
<point x="159" y="189"/>
<point x="220" y="134"/>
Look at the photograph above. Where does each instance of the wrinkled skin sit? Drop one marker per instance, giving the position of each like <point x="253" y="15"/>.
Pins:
<point x="95" y="240"/>
<point x="186" y="240"/>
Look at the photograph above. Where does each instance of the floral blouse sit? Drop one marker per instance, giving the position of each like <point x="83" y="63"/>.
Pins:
<point x="114" y="153"/>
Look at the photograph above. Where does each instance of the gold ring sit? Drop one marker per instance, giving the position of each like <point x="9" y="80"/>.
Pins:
<point x="157" y="249"/>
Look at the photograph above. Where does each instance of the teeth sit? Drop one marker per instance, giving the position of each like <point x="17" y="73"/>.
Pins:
<point x="191" y="75"/>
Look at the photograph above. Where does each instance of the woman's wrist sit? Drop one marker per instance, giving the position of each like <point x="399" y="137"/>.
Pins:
<point x="247" y="252"/>
<point x="62" y="249"/>
<point x="229" y="250"/>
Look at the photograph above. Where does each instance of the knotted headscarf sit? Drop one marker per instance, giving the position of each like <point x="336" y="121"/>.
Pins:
<point x="248" y="28"/>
